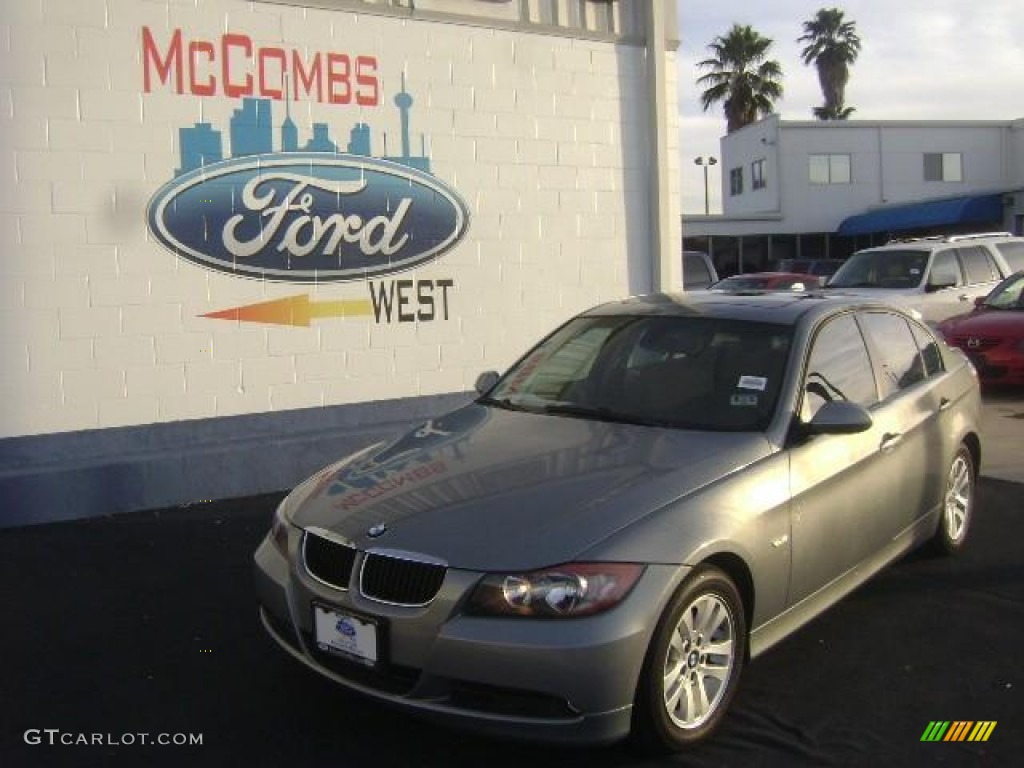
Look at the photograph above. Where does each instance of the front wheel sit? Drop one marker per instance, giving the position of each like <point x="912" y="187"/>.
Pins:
<point x="957" y="504"/>
<point x="693" y="665"/>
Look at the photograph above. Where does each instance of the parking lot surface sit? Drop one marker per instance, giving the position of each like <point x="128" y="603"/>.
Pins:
<point x="145" y="624"/>
<point x="1002" y="423"/>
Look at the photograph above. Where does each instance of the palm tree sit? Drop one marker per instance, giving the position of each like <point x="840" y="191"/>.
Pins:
<point x="741" y="77"/>
<point x="832" y="46"/>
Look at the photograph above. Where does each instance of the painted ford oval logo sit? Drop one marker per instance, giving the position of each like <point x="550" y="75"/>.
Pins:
<point x="344" y="627"/>
<point x="308" y="217"/>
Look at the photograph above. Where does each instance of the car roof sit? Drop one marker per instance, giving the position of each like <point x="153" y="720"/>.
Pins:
<point x="782" y="308"/>
<point x="931" y="243"/>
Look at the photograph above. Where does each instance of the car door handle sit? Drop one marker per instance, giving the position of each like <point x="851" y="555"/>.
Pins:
<point x="964" y="297"/>
<point x="889" y="441"/>
<point x="944" y="404"/>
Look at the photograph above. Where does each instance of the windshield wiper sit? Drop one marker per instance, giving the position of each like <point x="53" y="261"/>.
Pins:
<point x="504" y="403"/>
<point x="601" y="413"/>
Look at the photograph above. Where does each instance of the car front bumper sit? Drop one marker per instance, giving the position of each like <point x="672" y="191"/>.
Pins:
<point x="1003" y="366"/>
<point x="556" y="680"/>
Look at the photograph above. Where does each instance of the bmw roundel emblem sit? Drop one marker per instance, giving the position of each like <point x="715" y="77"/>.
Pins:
<point x="377" y="531"/>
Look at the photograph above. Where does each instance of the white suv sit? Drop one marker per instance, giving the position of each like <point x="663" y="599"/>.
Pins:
<point x="938" y="276"/>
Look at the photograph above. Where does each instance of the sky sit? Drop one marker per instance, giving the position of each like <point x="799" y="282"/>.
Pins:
<point x="919" y="60"/>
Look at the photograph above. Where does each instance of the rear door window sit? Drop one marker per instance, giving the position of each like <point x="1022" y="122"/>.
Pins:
<point x="898" y="359"/>
<point x="929" y="348"/>
<point x="1013" y="255"/>
<point x="979" y="266"/>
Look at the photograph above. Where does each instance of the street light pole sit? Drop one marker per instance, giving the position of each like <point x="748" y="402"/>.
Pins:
<point x="706" y="163"/>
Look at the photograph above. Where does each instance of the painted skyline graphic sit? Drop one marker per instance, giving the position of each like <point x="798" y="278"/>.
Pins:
<point x="251" y="132"/>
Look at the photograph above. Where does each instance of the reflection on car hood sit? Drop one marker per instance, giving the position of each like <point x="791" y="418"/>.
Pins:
<point x="488" y="489"/>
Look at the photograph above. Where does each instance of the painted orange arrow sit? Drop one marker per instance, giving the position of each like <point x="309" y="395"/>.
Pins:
<point x="293" y="310"/>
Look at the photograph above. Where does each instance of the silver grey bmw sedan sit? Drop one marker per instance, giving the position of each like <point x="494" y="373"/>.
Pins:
<point x="653" y="495"/>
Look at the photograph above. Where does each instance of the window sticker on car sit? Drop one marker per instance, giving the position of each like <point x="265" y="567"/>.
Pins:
<point x="743" y="401"/>
<point x="760" y="383"/>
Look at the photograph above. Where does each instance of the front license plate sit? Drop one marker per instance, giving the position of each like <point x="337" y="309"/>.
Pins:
<point x="345" y="634"/>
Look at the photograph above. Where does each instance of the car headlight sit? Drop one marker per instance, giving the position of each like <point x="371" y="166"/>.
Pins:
<point x="279" y="529"/>
<point x="572" y="589"/>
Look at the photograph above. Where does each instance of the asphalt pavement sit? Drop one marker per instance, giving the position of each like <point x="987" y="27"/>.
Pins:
<point x="1002" y="424"/>
<point x="138" y="628"/>
<point x="145" y="624"/>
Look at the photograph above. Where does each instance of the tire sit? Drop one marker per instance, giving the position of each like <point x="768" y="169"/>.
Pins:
<point x="685" y="690"/>
<point x="957" y="505"/>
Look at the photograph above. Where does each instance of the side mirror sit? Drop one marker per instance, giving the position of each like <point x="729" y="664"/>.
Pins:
<point x="979" y="301"/>
<point x="839" y="417"/>
<point x="485" y="382"/>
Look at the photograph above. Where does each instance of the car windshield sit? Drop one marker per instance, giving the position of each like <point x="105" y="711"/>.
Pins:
<point x="1007" y="295"/>
<point x="881" y="269"/>
<point x="683" y="372"/>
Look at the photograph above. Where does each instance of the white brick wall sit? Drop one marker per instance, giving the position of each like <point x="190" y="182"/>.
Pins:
<point x="100" y="326"/>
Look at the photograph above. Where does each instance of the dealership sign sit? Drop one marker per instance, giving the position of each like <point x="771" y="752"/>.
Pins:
<point x="254" y="200"/>
<point x="308" y="217"/>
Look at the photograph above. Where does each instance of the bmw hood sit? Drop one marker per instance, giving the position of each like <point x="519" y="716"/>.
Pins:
<point x="487" y="489"/>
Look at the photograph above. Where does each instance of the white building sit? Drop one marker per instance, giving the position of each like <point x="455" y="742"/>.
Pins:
<point x="242" y="238"/>
<point x="824" y="189"/>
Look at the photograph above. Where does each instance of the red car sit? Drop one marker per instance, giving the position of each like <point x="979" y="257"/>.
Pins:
<point x="993" y="334"/>
<point x="768" y="281"/>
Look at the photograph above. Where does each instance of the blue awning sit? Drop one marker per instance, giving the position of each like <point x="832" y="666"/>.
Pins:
<point x="936" y="213"/>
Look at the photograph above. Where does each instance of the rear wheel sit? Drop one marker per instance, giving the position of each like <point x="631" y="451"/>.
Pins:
<point x="693" y="664"/>
<point x="957" y="504"/>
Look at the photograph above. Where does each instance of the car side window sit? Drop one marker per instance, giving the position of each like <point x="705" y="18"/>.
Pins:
<point x="979" y="266"/>
<point x="1013" y="255"/>
<point x="945" y="270"/>
<point x="838" y="368"/>
<point x="695" y="272"/>
<point x="929" y="347"/>
<point x="899" y="360"/>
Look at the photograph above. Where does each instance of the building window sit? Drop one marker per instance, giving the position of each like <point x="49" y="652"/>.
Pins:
<point x="943" y="166"/>
<point x="758" y="177"/>
<point x="598" y="16"/>
<point x="736" y="181"/>
<point x="829" y="169"/>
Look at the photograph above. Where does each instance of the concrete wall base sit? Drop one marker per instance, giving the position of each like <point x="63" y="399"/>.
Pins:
<point x="91" y="473"/>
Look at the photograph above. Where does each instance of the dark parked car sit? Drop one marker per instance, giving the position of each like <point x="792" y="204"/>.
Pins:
<point x="658" y="491"/>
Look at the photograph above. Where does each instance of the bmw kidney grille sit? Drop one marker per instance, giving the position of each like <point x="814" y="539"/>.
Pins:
<point x="382" y="577"/>
<point x="397" y="580"/>
<point x="327" y="561"/>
